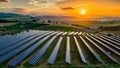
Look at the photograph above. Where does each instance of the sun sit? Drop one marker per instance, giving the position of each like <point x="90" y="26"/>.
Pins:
<point x="82" y="11"/>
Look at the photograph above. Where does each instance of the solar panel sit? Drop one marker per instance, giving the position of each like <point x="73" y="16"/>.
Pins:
<point x="117" y="38"/>
<point x="94" y="53"/>
<point x="107" y="42"/>
<point x="68" y="57"/>
<point x="75" y="33"/>
<point x="13" y="41"/>
<point x="15" y="48"/>
<point x="10" y="54"/>
<point x="53" y="56"/>
<point x="41" y="52"/>
<point x="19" y="44"/>
<point x="91" y="49"/>
<point x="64" y="33"/>
<point x="110" y="40"/>
<point x="27" y="52"/>
<point x="106" y="46"/>
<point x="113" y="39"/>
<point x="5" y="38"/>
<point x="113" y="59"/>
<point x="80" y="51"/>
<point x="80" y="33"/>
<point x="71" y="33"/>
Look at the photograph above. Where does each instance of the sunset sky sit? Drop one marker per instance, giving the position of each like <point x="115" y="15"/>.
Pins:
<point x="92" y="8"/>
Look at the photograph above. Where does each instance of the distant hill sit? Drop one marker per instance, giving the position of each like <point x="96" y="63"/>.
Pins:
<point x="58" y="18"/>
<point x="107" y="19"/>
<point x="12" y="17"/>
<point x="29" y="18"/>
<point x="9" y="15"/>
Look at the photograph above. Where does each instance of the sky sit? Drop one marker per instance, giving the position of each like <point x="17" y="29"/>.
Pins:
<point x="90" y="8"/>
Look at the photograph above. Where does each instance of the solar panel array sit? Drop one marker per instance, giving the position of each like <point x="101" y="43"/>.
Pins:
<point x="16" y="48"/>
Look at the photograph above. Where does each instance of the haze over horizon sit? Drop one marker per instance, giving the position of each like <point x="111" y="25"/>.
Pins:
<point x="83" y="9"/>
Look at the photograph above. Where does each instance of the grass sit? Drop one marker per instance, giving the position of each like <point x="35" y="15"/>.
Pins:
<point x="87" y="24"/>
<point x="57" y="28"/>
<point x="39" y="26"/>
<point x="23" y="26"/>
<point x="13" y="29"/>
<point x="111" y="27"/>
<point x="113" y="24"/>
<point x="18" y="19"/>
<point x="111" y="31"/>
<point x="6" y="24"/>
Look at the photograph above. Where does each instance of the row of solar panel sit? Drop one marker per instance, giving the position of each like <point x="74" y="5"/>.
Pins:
<point x="25" y="43"/>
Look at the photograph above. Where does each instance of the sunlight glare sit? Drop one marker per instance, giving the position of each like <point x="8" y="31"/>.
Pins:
<point x="83" y="11"/>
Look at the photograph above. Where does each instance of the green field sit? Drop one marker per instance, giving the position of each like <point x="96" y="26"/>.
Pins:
<point x="112" y="24"/>
<point x="6" y="24"/>
<point x="35" y="26"/>
<point x="111" y="27"/>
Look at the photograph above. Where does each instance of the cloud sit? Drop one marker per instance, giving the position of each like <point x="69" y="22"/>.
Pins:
<point x="37" y="3"/>
<point x="62" y="2"/>
<point x="4" y="0"/>
<point x="44" y="3"/>
<point x="12" y="10"/>
<point x="18" y="10"/>
<point x="68" y="8"/>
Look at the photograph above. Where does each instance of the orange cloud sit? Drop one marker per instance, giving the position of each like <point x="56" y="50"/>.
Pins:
<point x="68" y="8"/>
